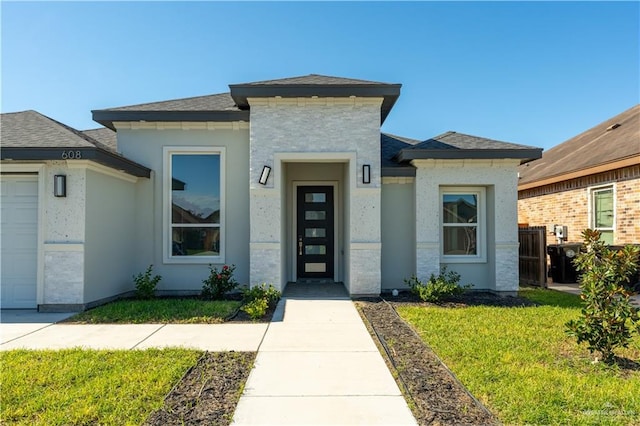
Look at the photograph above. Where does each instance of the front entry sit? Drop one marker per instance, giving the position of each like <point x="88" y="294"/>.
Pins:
<point x="315" y="232"/>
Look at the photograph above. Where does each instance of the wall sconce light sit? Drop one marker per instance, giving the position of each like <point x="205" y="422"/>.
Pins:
<point x="60" y="185"/>
<point x="264" y="175"/>
<point x="366" y="173"/>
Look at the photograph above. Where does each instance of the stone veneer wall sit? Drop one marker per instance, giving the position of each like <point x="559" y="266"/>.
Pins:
<point x="64" y="237"/>
<point x="315" y="130"/>
<point x="567" y="203"/>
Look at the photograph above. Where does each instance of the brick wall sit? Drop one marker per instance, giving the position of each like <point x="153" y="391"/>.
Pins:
<point x="567" y="203"/>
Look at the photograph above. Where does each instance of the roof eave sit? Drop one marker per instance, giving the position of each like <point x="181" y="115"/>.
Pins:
<point x="98" y="155"/>
<point x="108" y="117"/>
<point x="524" y="155"/>
<point x="630" y="161"/>
<point x="398" y="171"/>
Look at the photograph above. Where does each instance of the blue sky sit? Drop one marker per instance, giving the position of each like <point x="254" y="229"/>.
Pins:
<point x="532" y="73"/>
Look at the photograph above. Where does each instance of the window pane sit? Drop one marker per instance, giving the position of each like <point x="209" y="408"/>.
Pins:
<point x="460" y="208"/>
<point x="606" y="237"/>
<point x="603" y="208"/>
<point x="315" y="250"/>
<point x="195" y="241"/>
<point x="315" y="197"/>
<point x="315" y="267"/>
<point x="315" y="232"/>
<point x="195" y="188"/>
<point x="460" y="240"/>
<point x="315" y="215"/>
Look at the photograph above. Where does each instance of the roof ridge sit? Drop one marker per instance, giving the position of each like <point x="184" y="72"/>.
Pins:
<point x="78" y="133"/>
<point x="448" y="133"/>
<point x="401" y="138"/>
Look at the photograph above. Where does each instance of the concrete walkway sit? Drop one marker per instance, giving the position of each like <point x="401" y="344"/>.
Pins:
<point x="33" y="330"/>
<point x="319" y="366"/>
<point x="574" y="288"/>
<point x="316" y="362"/>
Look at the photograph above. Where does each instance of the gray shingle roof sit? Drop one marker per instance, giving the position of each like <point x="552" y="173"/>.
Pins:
<point x="234" y="106"/>
<point x="216" y="102"/>
<point x="314" y="79"/>
<point x="106" y="137"/>
<point x="29" y="135"/>
<point x="455" y="140"/>
<point x="30" y="129"/>
<point x="453" y="145"/>
<point x="390" y="145"/>
<point x="602" y="144"/>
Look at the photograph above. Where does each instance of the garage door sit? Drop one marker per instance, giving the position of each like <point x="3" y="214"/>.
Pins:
<point x="19" y="239"/>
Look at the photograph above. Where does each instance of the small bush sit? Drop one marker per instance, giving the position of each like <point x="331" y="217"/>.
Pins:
<point x="445" y="284"/>
<point x="256" y="308"/>
<point x="261" y="291"/>
<point x="607" y="317"/>
<point x="145" y="284"/>
<point x="258" y="299"/>
<point x="219" y="282"/>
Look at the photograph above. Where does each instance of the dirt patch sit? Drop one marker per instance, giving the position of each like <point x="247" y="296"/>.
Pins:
<point x="435" y="396"/>
<point x="208" y="393"/>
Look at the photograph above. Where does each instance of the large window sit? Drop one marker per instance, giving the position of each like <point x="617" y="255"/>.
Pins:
<point x="463" y="223"/>
<point x="602" y="212"/>
<point x="194" y="191"/>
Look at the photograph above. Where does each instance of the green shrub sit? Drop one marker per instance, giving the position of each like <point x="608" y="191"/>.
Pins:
<point x="256" y="308"/>
<point x="445" y="284"/>
<point x="261" y="291"/>
<point x="607" y="317"/>
<point x="258" y="299"/>
<point x="145" y="284"/>
<point x="219" y="282"/>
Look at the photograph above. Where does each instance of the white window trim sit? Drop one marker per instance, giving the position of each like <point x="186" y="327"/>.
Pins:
<point x="168" y="151"/>
<point x="592" y="190"/>
<point x="481" y="256"/>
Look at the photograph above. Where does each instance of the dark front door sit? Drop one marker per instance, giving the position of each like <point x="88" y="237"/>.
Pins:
<point x="314" y="246"/>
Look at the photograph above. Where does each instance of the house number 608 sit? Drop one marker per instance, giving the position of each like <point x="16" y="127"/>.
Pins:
<point x="70" y="155"/>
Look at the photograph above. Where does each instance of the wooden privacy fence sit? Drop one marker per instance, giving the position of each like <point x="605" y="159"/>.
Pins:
<point x="533" y="255"/>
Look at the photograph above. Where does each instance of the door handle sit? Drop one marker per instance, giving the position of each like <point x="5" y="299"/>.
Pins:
<point x="300" y="246"/>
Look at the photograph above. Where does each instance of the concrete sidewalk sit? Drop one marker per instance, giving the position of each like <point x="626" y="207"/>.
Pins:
<point x="32" y="330"/>
<point x="574" y="288"/>
<point x="319" y="366"/>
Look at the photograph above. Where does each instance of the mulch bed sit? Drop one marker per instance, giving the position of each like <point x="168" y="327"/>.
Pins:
<point x="208" y="392"/>
<point x="435" y="396"/>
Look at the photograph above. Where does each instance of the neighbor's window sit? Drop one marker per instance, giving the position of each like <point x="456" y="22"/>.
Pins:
<point x="602" y="212"/>
<point x="195" y="202"/>
<point x="462" y="227"/>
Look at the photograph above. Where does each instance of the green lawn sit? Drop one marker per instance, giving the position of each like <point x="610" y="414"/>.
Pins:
<point x="176" y="311"/>
<point x="73" y="387"/>
<point x="520" y="363"/>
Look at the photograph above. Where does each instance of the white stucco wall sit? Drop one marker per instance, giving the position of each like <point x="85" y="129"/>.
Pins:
<point x="499" y="177"/>
<point x="398" y="232"/>
<point x="316" y="130"/>
<point x="144" y="143"/>
<point x="110" y="250"/>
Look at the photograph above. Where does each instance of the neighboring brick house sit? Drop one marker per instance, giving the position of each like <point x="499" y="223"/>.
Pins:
<point x="590" y="181"/>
